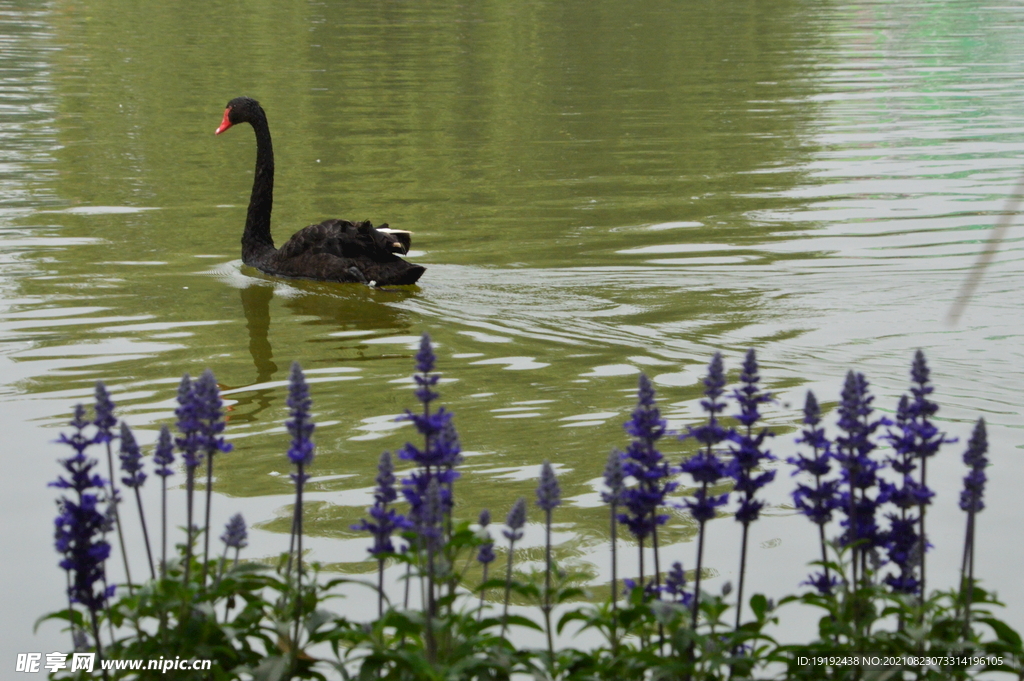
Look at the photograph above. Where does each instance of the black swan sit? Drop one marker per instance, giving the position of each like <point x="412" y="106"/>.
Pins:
<point x="334" y="250"/>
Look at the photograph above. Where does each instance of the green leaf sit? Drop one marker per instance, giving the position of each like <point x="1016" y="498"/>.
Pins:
<point x="524" y="622"/>
<point x="1004" y="631"/>
<point x="759" y="604"/>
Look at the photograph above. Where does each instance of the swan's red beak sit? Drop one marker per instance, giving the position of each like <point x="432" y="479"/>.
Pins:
<point x="226" y="123"/>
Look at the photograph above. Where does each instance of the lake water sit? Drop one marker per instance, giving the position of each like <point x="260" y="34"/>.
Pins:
<point x="596" y="189"/>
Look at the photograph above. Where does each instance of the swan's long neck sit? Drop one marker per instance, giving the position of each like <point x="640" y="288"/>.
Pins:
<point x="256" y="239"/>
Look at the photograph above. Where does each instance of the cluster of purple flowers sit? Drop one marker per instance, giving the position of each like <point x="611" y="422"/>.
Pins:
<point x="974" y="482"/>
<point x="300" y="425"/>
<point x="860" y="495"/>
<point x="81" y="523"/>
<point x="748" y="453"/>
<point x="651" y="472"/>
<point x="862" y="491"/>
<point x="817" y="502"/>
<point x="705" y="467"/>
<point x="441" y="451"/>
<point x="200" y="421"/>
<point x="638" y="481"/>
<point x="384" y="520"/>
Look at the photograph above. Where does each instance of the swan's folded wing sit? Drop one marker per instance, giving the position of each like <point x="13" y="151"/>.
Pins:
<point x="343" y="239"/>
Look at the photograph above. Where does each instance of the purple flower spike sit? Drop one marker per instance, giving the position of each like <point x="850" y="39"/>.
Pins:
<point x="78" y="466"/>
<point x="703" y="506"/>
<point x="860" y="471"/>
<point x="441" y="451"/>
<point x="164" y="455"/>
<point x="515" y="520"/>
<point x="384" y="521"/>
<point x="300" y="425"/>
<point x="548" y="493"/>
<point x="822" y="581"/>
<point x="131" y="458"/>
<point x="105" y="419"/>
<point x="613" y="478"/>
<point x="210" y="413"/>
<point x="385" y="492"/>
<point x="675" y="584"/>
<point x="425" y="381"/>
<point x="974" y="483"/>
<point x="749" y="395"/>
<point x="485" y="555"/>
<point x="190" y="442"/>
<point x="235" y="535"/>
<point x="81" y="524"/>
<point x="644" y="463"/>
<point x="903" y="546"/>
<point x="816" y="502"/>
<point x="748" y="451"/>
<point x="711" y="433"/>
<point x="425" y="358"/>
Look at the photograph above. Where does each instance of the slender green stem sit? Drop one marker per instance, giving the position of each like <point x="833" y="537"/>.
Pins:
<point x="743" y="572"/>
<point x="114" y="503"/>
<point x="300" y="479"/>
<point x="380" y="588"/>
<point x="508" y="587"/>
<point x="483" y="594"/>
<point x="923" y="538"/>
<point x="696" y="579"/>
<point x="190" y="484"/>
<point x="145" y="533"/>
<point x="547" y="586"/>
<point x="206" y="524"/>
<point x="163" y="527"/>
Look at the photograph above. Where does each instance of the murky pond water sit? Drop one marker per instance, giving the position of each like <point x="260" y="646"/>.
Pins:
<point x="595" y="190"/>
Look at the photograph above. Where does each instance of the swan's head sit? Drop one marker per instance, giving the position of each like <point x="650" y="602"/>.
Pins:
<point x="240" y="110"/>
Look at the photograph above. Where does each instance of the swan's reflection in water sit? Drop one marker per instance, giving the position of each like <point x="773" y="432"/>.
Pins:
<point x="256" y="305"/>
<point x="353" y="313"/>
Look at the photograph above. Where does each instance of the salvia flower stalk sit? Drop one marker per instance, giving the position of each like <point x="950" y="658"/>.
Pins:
<point x="903" y="542"/>
<point x="643" y="462"/>
<point x="614" y="485"/>
<point x="190" y="444"/>
<point x="105" y="422"/>
<point x="859" y="472"/>
<point x="435" y="460"/>
<point x="675" y="585"/>
<point x="441" y="451"/>
<point x="131" y="465"/>
<point x="235" y="537"/>
<point x="817" y="502"/>
<point x="927" y="440"/>
<point x="300" y="454"/>
<point x="514" y="532"/>
<point x="485" y="555"/>
<point x="80" y="526"/>
<point x="210" y="414"/>
<point x="383" y="522"/>
<point x="971" y="502"/>
<point x="549" y="495"/>
<point x="748" y="453"/>
<point x="163" y="459"/>
<point x="705" y="467"/>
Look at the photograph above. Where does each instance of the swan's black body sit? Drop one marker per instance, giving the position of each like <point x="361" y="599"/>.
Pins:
<point x="334" y="250"/>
